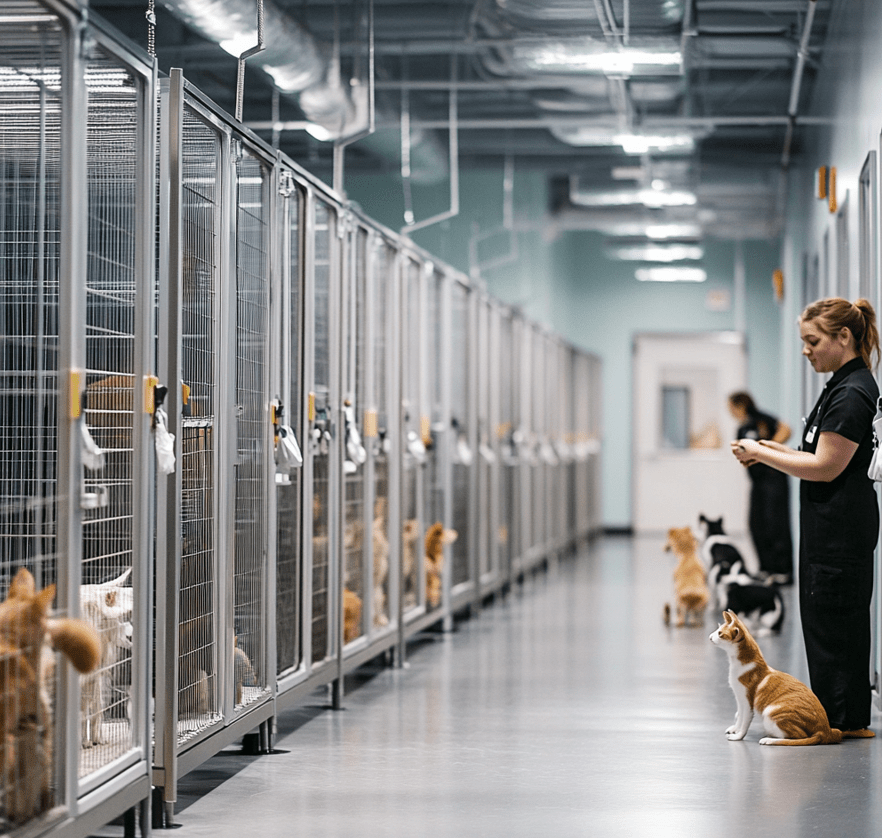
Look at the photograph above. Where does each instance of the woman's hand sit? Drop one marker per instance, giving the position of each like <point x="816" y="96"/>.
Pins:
<point x="745" y="451"/>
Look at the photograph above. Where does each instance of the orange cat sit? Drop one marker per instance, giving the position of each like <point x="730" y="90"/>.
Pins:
<point x="791" y="712"/>
<point x="25" y="718"/>
<point x="436" y="538"/>
<point x="690" y="585"/>
<point x="351" y="615"/>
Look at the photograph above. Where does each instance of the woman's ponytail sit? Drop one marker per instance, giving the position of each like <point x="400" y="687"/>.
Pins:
<point x="868" y="345"/>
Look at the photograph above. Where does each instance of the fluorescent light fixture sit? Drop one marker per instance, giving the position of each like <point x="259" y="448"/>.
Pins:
<point x="671" y="274"/>
<point x="633" y="197"/>
<point x="631" y="143"/>
<point x="657" y="252"/>
<point x="644" y="143"/>
<point x="590" y="56"/>
<point x="628" y="172"/>
<point x="672" y="231"/>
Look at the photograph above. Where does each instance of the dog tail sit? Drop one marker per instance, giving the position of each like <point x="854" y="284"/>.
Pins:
<point x="77" y="641"/>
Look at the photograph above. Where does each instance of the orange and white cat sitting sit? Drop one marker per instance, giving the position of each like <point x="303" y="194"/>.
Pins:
<point x="790" y="711"/>
<point x="691" y="593"/>
<point x="25" y="675"/>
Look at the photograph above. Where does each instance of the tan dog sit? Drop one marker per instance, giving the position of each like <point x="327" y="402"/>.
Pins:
<point x="25" y="718"/>
<point x="690" y="586"/>
<point x="436" y="538"/>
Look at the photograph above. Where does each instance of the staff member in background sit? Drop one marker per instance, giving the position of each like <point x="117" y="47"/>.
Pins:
<point x="769" y="516"/>
<point x="839" y="511"/>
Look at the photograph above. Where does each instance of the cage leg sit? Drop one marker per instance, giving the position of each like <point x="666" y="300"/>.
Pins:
<point x="129" y="823"/>
<point x="337" y="693"/>
<point x="266" y="737"/>
<point x="144" y="816"/>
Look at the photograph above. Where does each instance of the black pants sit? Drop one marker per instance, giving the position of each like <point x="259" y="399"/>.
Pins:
<point x="834" y="601"/>
<point x="769" y="521"/>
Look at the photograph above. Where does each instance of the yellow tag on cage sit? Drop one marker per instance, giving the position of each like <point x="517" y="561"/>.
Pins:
<point x="76" y="403"/>
<point x="273" y="418"/>
<point x="425" y="430"/>
<point x="370" y="424"/>
<point x="150" y="382"/>
<point x="310" y="408"/>
<point x="185" y="393"/>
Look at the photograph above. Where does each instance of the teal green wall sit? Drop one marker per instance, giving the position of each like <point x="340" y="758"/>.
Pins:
<point x="565" y="282"/>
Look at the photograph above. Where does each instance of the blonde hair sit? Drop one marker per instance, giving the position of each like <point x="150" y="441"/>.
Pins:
<point x="834" y="314"/>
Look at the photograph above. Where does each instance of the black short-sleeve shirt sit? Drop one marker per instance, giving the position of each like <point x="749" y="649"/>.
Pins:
<point x="759" y="425"/>
<point x="841" y="517"/>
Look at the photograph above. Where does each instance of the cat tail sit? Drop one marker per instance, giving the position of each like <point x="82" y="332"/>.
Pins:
<point x="77" y="641"/>
<point x="831" y="737"/>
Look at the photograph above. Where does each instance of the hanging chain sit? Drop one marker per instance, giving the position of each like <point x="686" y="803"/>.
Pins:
<point x="151" y="27"/>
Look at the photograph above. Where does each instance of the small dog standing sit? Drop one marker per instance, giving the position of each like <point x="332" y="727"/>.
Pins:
<point x="690" y="586"/>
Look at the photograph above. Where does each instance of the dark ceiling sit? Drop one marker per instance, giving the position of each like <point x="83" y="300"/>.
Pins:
<point x="525" y="95"/>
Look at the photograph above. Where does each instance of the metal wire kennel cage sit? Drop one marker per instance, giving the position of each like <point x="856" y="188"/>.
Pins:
<point x="76" y="279"/>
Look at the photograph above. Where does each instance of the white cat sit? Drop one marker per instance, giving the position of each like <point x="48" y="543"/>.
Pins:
<point x="108" y="607"/>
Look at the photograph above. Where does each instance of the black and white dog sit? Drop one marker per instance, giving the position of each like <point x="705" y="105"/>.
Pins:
<point x="718" y="551"/>
<point x="759" y="605"/>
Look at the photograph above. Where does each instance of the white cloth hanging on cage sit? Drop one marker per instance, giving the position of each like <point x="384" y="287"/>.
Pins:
<point x="164" y="443"/>
<point x="288" y="454"/>
<point x="93" y="456"/>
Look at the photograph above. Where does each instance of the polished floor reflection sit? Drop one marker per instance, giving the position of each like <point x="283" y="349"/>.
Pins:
<point x="565" y="709"/>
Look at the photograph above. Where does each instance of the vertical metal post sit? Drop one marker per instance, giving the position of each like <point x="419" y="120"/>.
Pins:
<point x="169" y="488"/>
<point x="71" y="361"/>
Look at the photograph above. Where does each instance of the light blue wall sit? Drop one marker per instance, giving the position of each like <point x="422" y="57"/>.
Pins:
<point x="566" y="283"/>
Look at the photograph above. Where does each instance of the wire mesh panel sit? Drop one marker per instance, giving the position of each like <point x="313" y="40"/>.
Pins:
<point x="201" y="218"/>
<point x="30" y="240"/>
<point x="323" y="242"/>
<point x="487" y="456"/>
<point x="414" y="452"/>
<point x="460" y="410"/>
<point x="250" y="677"/>
<point x="112" y="287"/>
<point x="434" y="476"/>
<point x="377" y="438"/>
<point x="289" y="555"/>
<point x="356" y="539"/>
<point x="504" y="432"/>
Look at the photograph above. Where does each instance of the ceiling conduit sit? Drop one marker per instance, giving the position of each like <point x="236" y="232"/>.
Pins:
<point x="299" y="65"/>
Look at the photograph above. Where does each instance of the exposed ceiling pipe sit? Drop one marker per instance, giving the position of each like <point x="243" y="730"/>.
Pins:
<point x="291" y="55"/>
<point x="453" y="124"/>
<point x="299" y="65"/>
<point x="801" y="57"/>
<point x="341" y="143"/>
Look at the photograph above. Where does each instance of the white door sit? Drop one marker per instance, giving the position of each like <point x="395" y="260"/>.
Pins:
<point x="683" y="465"/>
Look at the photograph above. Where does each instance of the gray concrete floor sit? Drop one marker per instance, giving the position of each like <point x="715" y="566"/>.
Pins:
<point x="566" y="709"/>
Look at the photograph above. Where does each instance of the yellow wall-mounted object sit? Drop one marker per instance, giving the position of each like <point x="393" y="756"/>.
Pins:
<point x="310" y="408"/>
<point x="822" y="182"/>
<point x="426" y="430"/>
<point x="76" y="401"/>
<point x="833" y="205"/>
<point x="273" y="417"/>
<point x="150" y="383"/>
<point x="185" y="393"/>
<point x="371" y="424"/>
<point x="778" y="283"/>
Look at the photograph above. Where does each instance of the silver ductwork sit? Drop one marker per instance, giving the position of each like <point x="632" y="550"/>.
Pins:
<point x="301" y="66"/>
<point x="291" y="55"/>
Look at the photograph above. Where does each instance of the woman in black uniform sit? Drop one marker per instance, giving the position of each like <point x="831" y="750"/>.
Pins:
<point x="839" y="511"/>
<point x="769" y="516"/>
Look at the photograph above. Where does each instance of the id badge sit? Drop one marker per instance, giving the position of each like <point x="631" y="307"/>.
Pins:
<point x="810" y="436"/>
